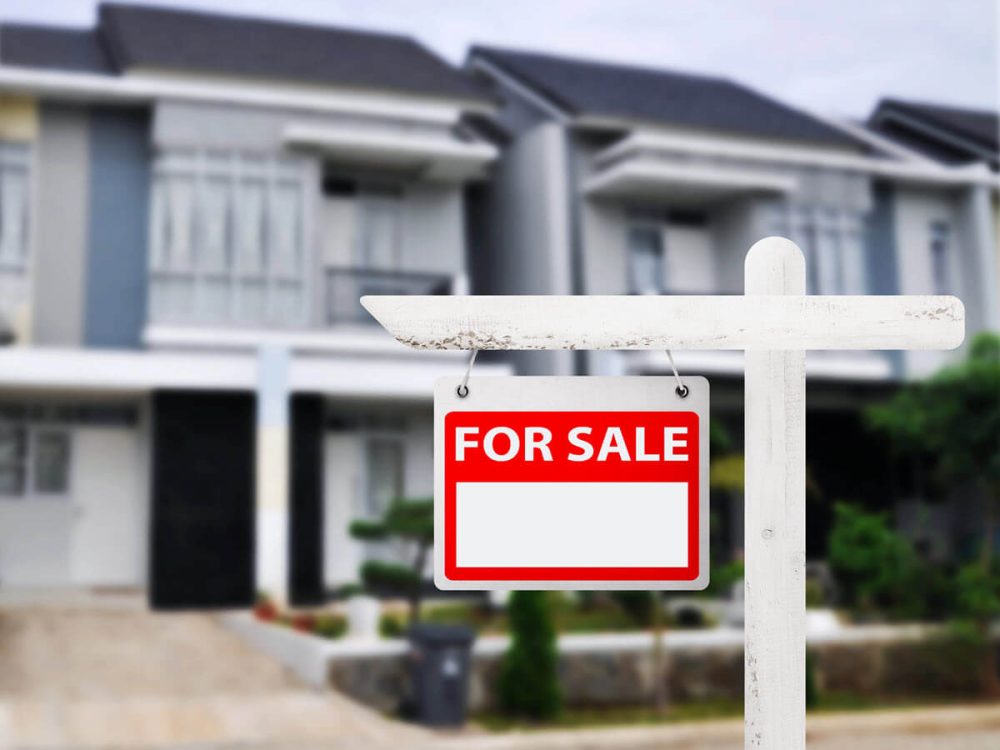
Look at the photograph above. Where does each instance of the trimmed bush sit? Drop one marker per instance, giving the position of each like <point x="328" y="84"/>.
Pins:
<point x="529" y="680"/>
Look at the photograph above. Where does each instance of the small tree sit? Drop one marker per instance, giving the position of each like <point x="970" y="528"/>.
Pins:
<point x="529" y="680"/>
<point x="954" y="420"/>
<point x="876" y="565"/>
<point x="409" y="521"/>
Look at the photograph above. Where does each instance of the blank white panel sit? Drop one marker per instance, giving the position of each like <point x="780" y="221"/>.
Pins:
<point x="572" y="524"/>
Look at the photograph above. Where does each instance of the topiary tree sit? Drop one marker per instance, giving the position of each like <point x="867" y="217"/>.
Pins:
<point x="410" y="521"/>
<point x="529" y="681"/>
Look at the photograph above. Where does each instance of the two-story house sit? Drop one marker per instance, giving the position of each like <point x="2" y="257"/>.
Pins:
<point x="191" y="398"/>
<point x="625" y="180"/>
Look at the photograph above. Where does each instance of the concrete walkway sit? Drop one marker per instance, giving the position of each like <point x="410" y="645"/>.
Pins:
<point x="971" y="728"/>
<point x="97" y="676"/>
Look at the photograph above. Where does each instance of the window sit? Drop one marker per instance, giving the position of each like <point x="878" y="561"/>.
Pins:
<point x="941" y="257"/>
<point x="14" y="201"/>
<point x="34" y="460"/>
<point x="833" y="243"/>
<point x="380" y="230"/>
<point x="645" y="253"/>
<point x="227" y="240"/>
<point x="384" y="467"/>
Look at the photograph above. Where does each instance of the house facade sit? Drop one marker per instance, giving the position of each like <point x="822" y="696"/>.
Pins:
<point x="192" y="401"/>
<point x="622" y="180"/>
<point x="962" y="138"/>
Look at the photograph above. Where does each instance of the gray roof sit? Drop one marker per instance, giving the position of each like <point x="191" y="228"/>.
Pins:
<point x="586" y="87"/>
<point x="195" y="42"/>
<point x="949" y="134"/>
<point x="53" y="48"/>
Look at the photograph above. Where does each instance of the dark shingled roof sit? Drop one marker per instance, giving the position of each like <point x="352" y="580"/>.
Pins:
<point x="585" y="87"/>
<point x="195" y="42"/>
<point x="51" y="48"/>
<point x="240" y="46"/>
<point x="977" y="129"/>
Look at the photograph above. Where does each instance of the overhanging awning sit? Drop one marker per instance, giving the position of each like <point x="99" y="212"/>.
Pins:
<point x="434" y="157"/>
<point x="682" y="183"/>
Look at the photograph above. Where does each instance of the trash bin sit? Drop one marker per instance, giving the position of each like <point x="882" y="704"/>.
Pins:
<point x="440" y="660"/>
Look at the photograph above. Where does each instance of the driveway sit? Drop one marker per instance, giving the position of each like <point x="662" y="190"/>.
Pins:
<point x="99" y="676"/>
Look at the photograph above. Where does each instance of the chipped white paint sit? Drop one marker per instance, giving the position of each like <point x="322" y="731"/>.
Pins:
<point x="649" y="322"/>
<point x="775" y="323"/>
<point x="775" y="518"/>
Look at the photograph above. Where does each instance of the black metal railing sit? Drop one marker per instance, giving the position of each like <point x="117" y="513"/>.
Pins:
<point x="344" y="286"/>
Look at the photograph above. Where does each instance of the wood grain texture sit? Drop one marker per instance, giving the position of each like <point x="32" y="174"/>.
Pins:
<point x="775" y="544"/>
<point x="752" y="323"/>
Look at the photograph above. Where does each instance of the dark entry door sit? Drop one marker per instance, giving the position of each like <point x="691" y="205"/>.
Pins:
<point x="202" y="500"/>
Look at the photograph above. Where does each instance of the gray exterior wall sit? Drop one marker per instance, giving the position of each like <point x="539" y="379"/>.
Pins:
<point x="60" y="208"/>
<point x="116" y="277"/>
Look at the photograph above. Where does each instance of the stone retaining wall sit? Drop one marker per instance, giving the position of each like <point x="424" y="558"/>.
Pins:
<point x="909" y="667"/>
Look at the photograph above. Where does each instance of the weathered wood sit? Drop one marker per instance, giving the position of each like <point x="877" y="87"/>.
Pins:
<point x="775" y="544"/>
<point x="752" y="323"/>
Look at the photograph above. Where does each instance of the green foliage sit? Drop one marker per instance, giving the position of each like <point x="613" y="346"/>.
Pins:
<point x="389" y="578"/>
<point x="812" y="684"/>
<point x="330" y="626"/>
<point x="638" y="605"/>
<point x="529" y="682"/>
<point x="391" y="626"/>
<point x="875" y="564"/>
<point x="954" y="417"/>
<point x="409" y="521"/>
<point x="723" y="576"/>
<point x="977" y="592"/>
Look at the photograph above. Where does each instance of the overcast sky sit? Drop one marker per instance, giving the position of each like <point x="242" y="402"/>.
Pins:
<point x="832" y="56"/>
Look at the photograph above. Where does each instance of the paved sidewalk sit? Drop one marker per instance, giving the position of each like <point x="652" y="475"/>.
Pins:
<point x="963" y="728"/>
<point x="82" y="676"/>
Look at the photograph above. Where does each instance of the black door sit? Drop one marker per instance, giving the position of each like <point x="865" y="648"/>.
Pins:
<point x="305" y="542"/>
<point x="202" y="500"/>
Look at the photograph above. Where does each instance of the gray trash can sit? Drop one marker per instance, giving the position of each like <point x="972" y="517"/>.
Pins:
<point x="440" y="657"/>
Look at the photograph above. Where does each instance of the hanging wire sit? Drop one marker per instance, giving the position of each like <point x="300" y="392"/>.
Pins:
<point x="463" y="387"/>
<point x="681" y="390"/>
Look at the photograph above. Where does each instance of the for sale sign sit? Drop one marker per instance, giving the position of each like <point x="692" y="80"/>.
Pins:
<point x="571" y="483"/>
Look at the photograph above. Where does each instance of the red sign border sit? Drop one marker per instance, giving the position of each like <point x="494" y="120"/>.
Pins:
<point x="688" y="573"/>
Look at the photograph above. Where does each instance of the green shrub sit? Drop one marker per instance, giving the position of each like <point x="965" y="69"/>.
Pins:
<point x="875" y="564"/>
<point x="638" y="605"/>
<point x="529" y="681"/>
<point x="330" y="626"/>
<point x="391" y="626"/>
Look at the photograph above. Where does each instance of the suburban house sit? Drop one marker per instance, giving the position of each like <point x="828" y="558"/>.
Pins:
<point x="191" y="398"/>
<point x="624" y="180"/>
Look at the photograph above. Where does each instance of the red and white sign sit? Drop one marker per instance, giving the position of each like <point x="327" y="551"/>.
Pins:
<point x="571" y="483"/>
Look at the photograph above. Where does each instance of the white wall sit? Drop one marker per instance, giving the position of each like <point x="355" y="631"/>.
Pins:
<point x="915" y="210"/>
<point x="342" y="487"/>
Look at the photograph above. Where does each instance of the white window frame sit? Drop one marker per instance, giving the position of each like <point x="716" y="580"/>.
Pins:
<point x="15" y="160"/>
<point x="940" y="246"/>
<point x="827" y="270"/>
<point x="235" y="169"/>
<point x="33" y="430"/>
<point x="386" y="199"/>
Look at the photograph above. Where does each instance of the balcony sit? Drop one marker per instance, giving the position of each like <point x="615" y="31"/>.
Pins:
<point x="345" y="286"/>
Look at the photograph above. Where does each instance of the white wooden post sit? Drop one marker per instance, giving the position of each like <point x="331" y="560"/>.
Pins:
<point x="774" y="322"/>
<point x="775" y="516"/>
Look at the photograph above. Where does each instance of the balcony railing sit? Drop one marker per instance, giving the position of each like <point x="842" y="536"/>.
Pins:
<point x="344" y="286"/>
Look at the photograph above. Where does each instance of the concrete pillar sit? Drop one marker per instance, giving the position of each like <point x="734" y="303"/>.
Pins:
<point x="272" y="471"/>
<point x="978" y="232"/>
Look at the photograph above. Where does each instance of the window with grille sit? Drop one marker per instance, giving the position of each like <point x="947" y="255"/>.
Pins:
<point x="228" y="240"/>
